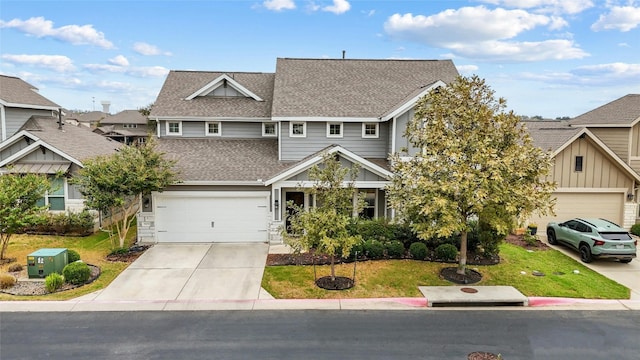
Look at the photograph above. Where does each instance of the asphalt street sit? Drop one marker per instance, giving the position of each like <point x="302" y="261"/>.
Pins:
<point x="437" y="334"/>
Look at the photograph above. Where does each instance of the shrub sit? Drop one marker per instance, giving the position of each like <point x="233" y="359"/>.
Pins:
<point x="76" y="273"/>
<point x="357" y="247"/>
<point x="376" y="229"/>
<point x="404" y="234"/>
<point x="7" y="281"/>
<point x="446" y="252"/>
<point x="80" y="223"/>
<point x="395" y="249"/>
<point x="374" y="249"/>
<point x="53" y="282"/>
<point x="635" y="229"/>
<point x="72" y="256"/>
<point x="15" y="267"/>
<point x="418" y="250"/>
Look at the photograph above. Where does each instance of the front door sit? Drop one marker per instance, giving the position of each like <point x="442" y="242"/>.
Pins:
<point x="297" y="198"/>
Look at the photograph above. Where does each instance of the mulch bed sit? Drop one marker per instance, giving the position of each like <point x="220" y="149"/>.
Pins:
<point x="339" y="283"/>
<point x="130" y="255"/>
<point x="30" y="287"/>
<point x="469" y="277"/>
<point x="481" y="355"/>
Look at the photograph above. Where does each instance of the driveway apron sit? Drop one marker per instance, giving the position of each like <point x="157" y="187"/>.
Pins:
<point x="192" y="272"/>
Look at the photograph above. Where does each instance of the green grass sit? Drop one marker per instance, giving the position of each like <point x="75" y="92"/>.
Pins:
<point x="93" y="250"/>
<point x="401" y="278"/>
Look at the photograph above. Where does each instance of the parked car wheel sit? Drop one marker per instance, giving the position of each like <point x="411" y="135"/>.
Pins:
<point x="551" y="237"/>
<point x="585" y="253"/>
<point x="625" y="261"/>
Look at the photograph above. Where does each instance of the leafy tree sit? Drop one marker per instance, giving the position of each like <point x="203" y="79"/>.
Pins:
<point x="324" y="227"/>
<point x="474" y="156"/>
<point x="19" y="194"/>
<point x="116" y="182"/>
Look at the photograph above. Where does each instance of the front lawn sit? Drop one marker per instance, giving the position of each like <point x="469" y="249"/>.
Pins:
<point x="401" y="278"/>
<point x="93" y="250"/>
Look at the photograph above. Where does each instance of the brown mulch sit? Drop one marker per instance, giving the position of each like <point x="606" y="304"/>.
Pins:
<point x="481" y="355"/>
<point x="469" y="277"/>
<point x="519" y="241"/>
<point x="131" y="255"/>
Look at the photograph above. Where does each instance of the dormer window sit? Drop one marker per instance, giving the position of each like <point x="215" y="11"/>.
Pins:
<point x="213" y="128"/>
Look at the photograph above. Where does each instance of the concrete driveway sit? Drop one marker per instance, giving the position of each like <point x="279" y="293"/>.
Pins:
<point x="188" y="272"/>
<point x="625" y="274"/>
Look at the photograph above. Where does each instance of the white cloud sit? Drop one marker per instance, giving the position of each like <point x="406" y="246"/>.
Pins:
<point x="338" y="7"/>
<point x="467" y="69"/>
<point x="279" y="5"/>
<point x="618" y="74"/>
<point x="136" y="71"/>
<point x="105" y="67"/>
<point x="58" y="63"/>
<point x="552" y="6"/>
<point x="119" y="60"/>
<point x="74" y="34"/>
<point x="618" y="69"/>
<point x="143" y="48"/>
<point x="148" y="71"/>
<point x="622" y="18"/>
<point x="481" y="33"/>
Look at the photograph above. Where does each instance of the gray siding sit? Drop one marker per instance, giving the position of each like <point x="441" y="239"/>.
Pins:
<point x="401" y="128"/>
<point x="39" y="156"/>
<point x="17" y="117"/>
<point x="13" y="149"/>
<point x="296" y="148"/>
<point x="230" y="129"/>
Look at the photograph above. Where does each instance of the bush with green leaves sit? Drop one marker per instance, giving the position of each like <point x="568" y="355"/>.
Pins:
<point x="374" y="249"/>
<point x="418" y="250"/>
<point x="395" y="249"/>
<point x="375" y="229"/>
<point x="72" y="256"/>
<point x="53" y="282"/>
<point x="76" y="273"/>
<point x="7" y="281"/>
<point x="446" y="252"/>
<point x="356" y="250"/>
<point x="67" y="223"/>
<point x="635" y="229"/>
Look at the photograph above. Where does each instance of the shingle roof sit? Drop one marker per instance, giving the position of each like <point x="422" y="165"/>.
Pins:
<point x="351" y="88"/>
<point x="623" y="111"/>
<point x="125" y="117"/>
<point x="550" y="135"/>
<point x="76" y="141"/>
<point x="16" y="91"/>
<point x="223" y="159"/>
<point x="181" y="84"/>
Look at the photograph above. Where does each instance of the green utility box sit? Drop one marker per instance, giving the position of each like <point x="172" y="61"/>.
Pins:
<point x="46" y="261"/>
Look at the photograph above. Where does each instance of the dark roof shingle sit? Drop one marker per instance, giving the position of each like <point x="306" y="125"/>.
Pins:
<point x="623" y="111"/>
<point x="18" y="92"/>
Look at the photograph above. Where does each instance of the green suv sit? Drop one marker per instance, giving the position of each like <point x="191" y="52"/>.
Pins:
<point x="594" y="238"/>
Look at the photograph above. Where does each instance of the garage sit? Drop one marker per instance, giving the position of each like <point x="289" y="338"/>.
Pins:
<point x="608" y="205"/>
<point x="211" y="216"/>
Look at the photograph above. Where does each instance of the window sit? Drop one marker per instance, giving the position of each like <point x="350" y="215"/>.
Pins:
<point x="578" y="164"/>
<point x="334" y="130"/>
<point x="369" y="209"/>
<point x="174" y="128"/>
<point x="55" y="196"/>
<point x="269" y="129"/>
<point x="370" y="130"/>
<point x="213" y="129"/>
<point x="298" y="129"/>
<point x="130" y="126"/>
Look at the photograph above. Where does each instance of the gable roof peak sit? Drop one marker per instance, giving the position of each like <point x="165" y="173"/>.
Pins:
<point x="224" y="80"/>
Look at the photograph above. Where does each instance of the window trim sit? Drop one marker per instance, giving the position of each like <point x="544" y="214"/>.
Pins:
<point x="329" y="135"/>
<point x="179" y="133"/>
<point x="577" y="168"/>
<point x="275" y="129"/>
<point x="206" y="128"/>
<point x="369" y="136"/>
<point x="304" y="129"/>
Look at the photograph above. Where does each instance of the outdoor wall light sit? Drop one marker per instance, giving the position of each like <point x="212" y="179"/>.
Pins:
<point x="276" y="204"/>
<point x="630" y="196"/>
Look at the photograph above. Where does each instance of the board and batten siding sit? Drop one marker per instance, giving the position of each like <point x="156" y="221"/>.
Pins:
<point x="297" y="148"/>
<point x="617" y="139"/>
<point x="598" y="171"/>
<point x="230" y="129"/>
<point x="16" y="117"/>
<point x="13" y="149"/>
<point x="45" y="156"/>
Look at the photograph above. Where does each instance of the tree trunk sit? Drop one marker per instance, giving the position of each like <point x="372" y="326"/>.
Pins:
<point x="333" y="269"/>
<point x="4" y="239"/>
<point x="462" y="265"/>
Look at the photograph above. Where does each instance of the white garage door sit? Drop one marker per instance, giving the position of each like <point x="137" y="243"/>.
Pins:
<point x="211" y="216"/>
<point x="609" y="206"/>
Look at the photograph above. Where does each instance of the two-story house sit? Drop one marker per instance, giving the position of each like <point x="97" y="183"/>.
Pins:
<point x="128" y="127"/>
<point x="244" y="142"/>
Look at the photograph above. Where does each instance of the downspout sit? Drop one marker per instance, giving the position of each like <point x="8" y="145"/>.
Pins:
<point x="3" y="123"/>
<point x="157" y="127"/>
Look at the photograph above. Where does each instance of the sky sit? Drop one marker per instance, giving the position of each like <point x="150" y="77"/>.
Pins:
<point x="550" y="58"/>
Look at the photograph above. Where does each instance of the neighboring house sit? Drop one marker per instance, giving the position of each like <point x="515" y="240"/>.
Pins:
<point x="44" y="146"/>
<point x="592" y="180"/>
<point x="18" y="102"/>
<point x="244" y="142"/>
<point x="91" y="119"/>
<point x="128" y="127"/>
